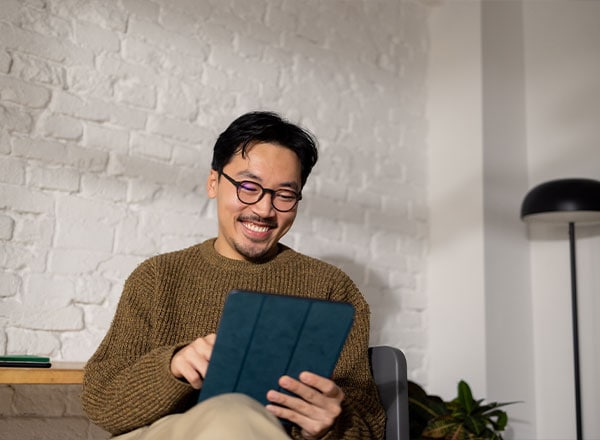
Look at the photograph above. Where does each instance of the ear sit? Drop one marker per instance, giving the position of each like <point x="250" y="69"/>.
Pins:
<point x="212" y="184"/>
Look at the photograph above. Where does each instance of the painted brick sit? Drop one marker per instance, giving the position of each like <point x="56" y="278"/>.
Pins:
<point x="11" y="10"/>
<point x="137" y="235"/>
<point x="114" y="67"/>
<point x="60" y="153"/>
<point x="190" y="156"/>
<point x="63" y="127"/>
<point x="136" y="51"/>
<point x="129" y="91"/>
<point x="143" y="191"/>
<point x="16" y="257"/>
<point x="5" y="61"/>
<point x="48" y="291"/>
<point x="7" y="227"/>
<point x="180" y="22"/>
<point x="25" y="199"/>
<point x="34" y="18"/>
<point x="9" y="284"/>
<point x="35" y="70"/>
<point x="80" y="216"/>
<point x="62" y="179"/>
<point x="55" y="319"/>
<point x="40" y="401"/>
<point x="105" y="188"/>
<point x="23" y="340"/>
<point x="179" y="101"/>
<point x="96" y="38"/>
<point x="91" y="289"/>
<point x="74" y="345"/>
<point x="45" y="47"/>
<point x="48" y="428"/>
<point x="81" y="108"/>
<point x="20" y="92"/>
<point x="4" y="141"/>
<point x="73" y="261"/>
<point x="14" y="119"/>
<point x="142" y="9"/>
<point x="85" y="158"/>
<point x="106" y="138"/>
<point x="128" y="117"/>
<point x="12" y="170"/>
<point x="119" y="267"/>
<point x="157" y="35"/>
<point x="139" y="167"/>
<point x="106" y="15"/>
<point x="87" y="81"/>
<point x="177" y="129"/>
<point x="34" y="229"/>
<point x="7" y="394"/>
<point x="152" y="146"/>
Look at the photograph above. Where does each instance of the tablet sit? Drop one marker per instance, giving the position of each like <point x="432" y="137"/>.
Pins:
<point x="263" y="336"/>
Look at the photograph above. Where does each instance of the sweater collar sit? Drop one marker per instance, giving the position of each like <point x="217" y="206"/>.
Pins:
<point x="209" y="252"/>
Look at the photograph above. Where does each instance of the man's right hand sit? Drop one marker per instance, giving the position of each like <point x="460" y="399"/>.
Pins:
<point x="191" y="362"/>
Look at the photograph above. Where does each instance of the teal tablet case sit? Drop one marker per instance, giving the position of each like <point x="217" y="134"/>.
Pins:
<point x="262" y="337"/>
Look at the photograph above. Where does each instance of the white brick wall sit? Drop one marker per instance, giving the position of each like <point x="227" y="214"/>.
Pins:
<point x="108" y="114"/>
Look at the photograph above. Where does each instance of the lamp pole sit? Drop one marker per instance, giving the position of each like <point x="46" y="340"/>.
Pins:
<point x="567" y="201"/>
<point x="575" y="321"/>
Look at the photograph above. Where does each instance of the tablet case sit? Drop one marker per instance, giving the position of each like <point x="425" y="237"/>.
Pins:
<point x="262" y="337"/>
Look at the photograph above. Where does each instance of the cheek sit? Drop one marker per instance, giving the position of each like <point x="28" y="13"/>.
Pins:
<point x="287" y="221"/>
<point x="226" y="206"/>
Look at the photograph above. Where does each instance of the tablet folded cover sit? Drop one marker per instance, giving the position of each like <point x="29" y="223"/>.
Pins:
<point x="262" y="337"/>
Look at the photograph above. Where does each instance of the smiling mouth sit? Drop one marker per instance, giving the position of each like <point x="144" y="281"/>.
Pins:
<point x="257" y="225"/>
<point x="256" y="228"/>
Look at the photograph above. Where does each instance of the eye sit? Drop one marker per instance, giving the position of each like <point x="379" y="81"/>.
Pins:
<point x="286" y="196"/>
<point x="250" y="187"/>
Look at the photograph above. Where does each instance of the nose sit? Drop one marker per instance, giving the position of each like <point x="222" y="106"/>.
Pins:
<point x="264" y="207"/>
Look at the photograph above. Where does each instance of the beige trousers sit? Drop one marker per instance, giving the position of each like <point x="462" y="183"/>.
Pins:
<point x="224" y="417"/>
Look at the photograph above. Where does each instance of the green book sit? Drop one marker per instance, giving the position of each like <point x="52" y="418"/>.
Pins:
<point x="24" y="360"/>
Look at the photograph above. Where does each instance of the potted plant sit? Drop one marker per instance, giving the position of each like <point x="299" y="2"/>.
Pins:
<point x="462" y="418"/>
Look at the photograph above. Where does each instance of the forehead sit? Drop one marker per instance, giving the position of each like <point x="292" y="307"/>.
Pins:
<point x="269" y="159"/>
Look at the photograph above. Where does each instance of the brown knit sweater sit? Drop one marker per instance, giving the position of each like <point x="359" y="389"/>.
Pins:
<point x="174" y="298"/>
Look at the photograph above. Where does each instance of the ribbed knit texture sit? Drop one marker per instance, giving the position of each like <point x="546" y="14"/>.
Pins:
<point x="174" y="298"/>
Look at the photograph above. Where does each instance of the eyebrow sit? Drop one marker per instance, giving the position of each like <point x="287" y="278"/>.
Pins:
<point x="250" y="175"/>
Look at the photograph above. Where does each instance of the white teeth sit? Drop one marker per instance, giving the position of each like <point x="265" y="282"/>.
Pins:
<point x="256" y="228"/>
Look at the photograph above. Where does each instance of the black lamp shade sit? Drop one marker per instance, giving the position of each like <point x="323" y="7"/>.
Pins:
<point x="563" y="201"/>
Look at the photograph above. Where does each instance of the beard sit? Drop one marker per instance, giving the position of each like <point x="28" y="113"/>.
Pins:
<point x="256" y="253"/>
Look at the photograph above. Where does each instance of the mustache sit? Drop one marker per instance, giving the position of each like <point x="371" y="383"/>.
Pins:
<point x="257" y="219"/>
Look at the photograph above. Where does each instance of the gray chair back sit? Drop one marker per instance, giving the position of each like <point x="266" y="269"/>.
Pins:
<point x="388" y="366"/>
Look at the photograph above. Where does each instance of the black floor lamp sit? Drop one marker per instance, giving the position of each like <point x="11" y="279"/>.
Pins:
<point x="566" y="201"/>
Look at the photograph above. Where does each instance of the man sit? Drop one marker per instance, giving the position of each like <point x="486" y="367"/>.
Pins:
<point x="143" y="379"/>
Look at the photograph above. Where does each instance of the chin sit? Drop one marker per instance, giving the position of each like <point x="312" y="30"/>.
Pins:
<point x="252" y="253"/>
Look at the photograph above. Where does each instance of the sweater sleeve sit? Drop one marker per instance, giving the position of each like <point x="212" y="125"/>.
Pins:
<point x="127" y="382"/>
<point x="362" y="415"/>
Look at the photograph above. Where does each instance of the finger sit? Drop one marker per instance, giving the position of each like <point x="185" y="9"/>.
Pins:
<point x="191" y="362"/>
<point x="192" y="376"/>
<point x="311" y="428"/>
<point x="326" y="386"/>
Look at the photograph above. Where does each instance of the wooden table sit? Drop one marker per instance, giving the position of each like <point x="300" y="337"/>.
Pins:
<point x="58" y="373"/>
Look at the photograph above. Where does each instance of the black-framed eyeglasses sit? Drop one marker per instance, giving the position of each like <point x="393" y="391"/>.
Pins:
<point x="249" y="193"/>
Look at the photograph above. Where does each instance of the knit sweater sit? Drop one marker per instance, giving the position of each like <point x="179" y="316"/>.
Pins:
<point x="172" y="299"/>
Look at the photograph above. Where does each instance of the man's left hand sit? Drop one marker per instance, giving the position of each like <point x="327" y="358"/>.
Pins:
<point x="315" y="406"/>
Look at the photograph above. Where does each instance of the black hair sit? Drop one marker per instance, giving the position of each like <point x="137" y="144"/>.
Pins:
<point x="269" y="127"/>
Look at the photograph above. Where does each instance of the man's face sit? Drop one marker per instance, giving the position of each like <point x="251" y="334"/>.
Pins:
<point x="251" y="232"/>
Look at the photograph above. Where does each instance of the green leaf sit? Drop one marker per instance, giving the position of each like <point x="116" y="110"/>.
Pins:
<point x="462" y="418"/>
<point x="439" y="427"/>
<point x="465" y="397"/>
<point x="501" y="420"/>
